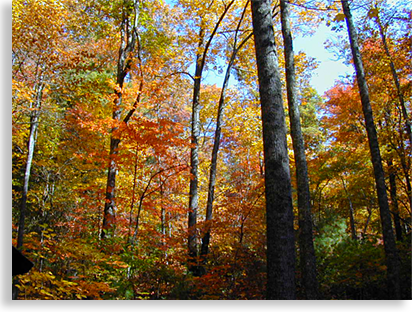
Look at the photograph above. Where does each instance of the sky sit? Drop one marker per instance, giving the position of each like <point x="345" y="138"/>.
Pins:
<point x="329" y="69"/>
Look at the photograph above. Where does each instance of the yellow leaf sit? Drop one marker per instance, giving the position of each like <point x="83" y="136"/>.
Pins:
<point x="339" y="17"/>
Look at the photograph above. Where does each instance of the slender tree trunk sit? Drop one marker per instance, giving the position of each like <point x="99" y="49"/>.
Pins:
<point x="213" y="166"/>
<point x="194" y="267"/>
<point x="351" y="212"/>
<point x="392" y="257"/>
<point x="109" y="217"/>
<point x="216" y="143"/>
<point x="34" y="123"/>
<point x="278" y="190"/>
<point x="132" y="203"/>
<point x="396" y="80"/>
<point x="307" y="250"/>
<point x="31" y="144"/>
<point x="124" y="63"/>
<point x="194" y="159"/>
<point x="405" y="164"/>
<point x="110" y="205"/>
<point x="394" y="200"/>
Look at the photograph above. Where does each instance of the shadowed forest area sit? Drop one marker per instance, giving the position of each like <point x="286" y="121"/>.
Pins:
<point x="177" y="150"/>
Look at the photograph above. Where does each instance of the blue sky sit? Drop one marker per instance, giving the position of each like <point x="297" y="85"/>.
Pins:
<point x="329" y="69"/>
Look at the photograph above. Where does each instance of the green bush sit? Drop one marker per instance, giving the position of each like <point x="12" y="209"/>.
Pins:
<point x="350" y="269"/>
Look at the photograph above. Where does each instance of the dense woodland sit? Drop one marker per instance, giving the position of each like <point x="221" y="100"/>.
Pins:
<point x="176" y="150"/>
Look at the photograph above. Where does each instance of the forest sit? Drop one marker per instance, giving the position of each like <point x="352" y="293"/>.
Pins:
<point x="176" y="150"/>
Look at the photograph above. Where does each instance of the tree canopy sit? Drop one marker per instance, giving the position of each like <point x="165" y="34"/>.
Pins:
<point x="143" y="148"/>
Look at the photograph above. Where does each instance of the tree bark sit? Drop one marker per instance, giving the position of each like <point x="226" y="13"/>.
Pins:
<point x="109" y="216"/>
<point x="307" y="250"/>
<point x="394" y="200"/>
<point x="194" y="266"/>
<point x="31" y="144"/>
<point x="395" y="80"/>
<point x="351" y="212"/>
<point x="194" y="156"/>
<point x="392" y="257"/>
<point x="34" y="123"/>
<point x="204" y="250"/>
<point x="124" y="62"/>
<point x="278" y="190"/>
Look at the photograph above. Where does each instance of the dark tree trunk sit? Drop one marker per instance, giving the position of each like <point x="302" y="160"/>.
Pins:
<point x="213" y="168"/>
<point x="396" y="80"/>
<point x="109" y="216"/>
<point x="279" y="209"/>
<point x="110" y="205"/>
<point x="307" y="250"/>
<point x="194" y="159"/>
<point x="127" y="45"/>
<point x="351" y="212"/>
<point x="194" y="266"/>
<point x="392" y="257"/>
<point x="216" y="143"/>
<point x="394" y="200"/>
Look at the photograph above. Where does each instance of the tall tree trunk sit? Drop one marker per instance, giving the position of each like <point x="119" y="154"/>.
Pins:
<point x="110" y="205"/>
<point x="204" y="250"/>
<point x="109" y="216"/>
<point x="392" y="257"/>
<point x="31" y="144"/>
<point x="124" y="63"/>
<point x="34" y="123"/>
<point x="194" y="159"/>
<point x="351" y="212"/>
<point x="194" y="267"/>
<point x="307" y="250"/>
<point x="395" y="80"/>
<point x="278" y="190"/>
<point x="404" y="159"/>
<point x="394" y="200"/>
<point x="213" y="166"/>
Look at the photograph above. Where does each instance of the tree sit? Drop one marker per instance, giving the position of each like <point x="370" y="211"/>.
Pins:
<point x="375" y="12"/>
<point x="37" y="36"/>
<point x="202" y="52"/>
<point x="307" y="251"/>
<point x="129" y="38"/>
<point x="39" y="39"/>
<point x="217" y="137"/>
<point x="71" y="73"/>
<point x="279" y="210"/>
<point x="391" y="252"/>
<point x="34" y="122"/>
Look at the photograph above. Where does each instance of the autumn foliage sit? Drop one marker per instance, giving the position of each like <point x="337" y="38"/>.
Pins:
<point x="65" y="88"/>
